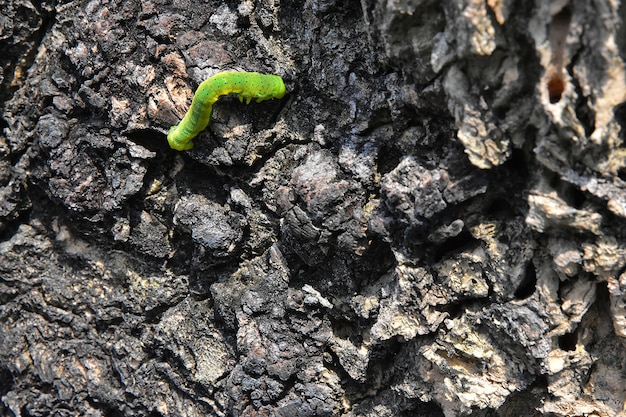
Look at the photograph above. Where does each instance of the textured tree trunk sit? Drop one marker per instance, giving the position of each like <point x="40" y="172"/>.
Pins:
<point x="431" y="222"/>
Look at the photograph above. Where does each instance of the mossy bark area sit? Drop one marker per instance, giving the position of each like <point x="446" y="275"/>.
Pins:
<point x="432" y="221"/>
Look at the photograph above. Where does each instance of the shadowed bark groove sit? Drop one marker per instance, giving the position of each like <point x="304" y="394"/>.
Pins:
<point x="431" y="222"/>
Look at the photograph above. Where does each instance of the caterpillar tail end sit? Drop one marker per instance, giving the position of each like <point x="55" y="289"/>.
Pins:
<point x="176" y="142"/>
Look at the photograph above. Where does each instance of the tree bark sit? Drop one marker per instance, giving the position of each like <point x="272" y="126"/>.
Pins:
<point x="432" y="221"/>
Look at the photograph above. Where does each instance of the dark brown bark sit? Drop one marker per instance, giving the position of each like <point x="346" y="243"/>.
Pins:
<point x="430" y="223"/>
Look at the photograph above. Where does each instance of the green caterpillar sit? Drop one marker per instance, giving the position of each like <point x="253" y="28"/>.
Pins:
<point x="248" y="85"/>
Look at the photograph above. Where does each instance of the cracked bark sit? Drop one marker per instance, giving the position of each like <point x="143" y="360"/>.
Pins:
<point x="431" y="222"/>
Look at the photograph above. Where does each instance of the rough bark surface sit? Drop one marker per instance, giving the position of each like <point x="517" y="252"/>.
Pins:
<point x="432" y="222"/>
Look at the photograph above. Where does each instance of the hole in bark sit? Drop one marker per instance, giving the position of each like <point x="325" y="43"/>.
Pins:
<point x="568" y="341"/>
<point x="454" y="310"/>
<point x="559" y="29"/>
<point x="388" y="158"/>
<point x="556" y="86"/>
<point x="348" y="330"/>
<point x="461" y="241"/>
<point x="526" y="288"/>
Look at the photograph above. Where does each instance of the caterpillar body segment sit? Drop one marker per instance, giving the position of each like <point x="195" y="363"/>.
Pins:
<point x="247" y="85"/>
